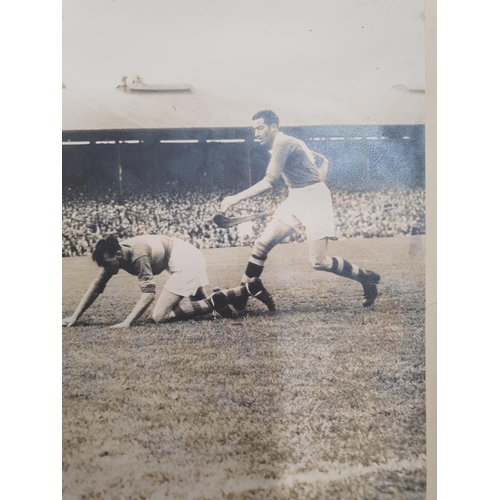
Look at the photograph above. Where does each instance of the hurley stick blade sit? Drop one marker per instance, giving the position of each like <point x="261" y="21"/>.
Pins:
<point x="223" y="221"/>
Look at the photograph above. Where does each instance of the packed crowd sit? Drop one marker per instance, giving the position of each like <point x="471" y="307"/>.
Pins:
<point x="88" y="217"/>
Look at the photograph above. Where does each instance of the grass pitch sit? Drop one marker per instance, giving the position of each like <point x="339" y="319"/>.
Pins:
<point x="322" y="399"/>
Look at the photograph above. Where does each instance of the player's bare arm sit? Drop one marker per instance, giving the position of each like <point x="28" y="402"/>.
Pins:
<point x="258" y="188"/>
<point x="142" y="304"/>
<point x="94" y="290"/>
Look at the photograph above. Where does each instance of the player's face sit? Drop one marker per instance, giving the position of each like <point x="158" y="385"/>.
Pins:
<point x="264" y="134"/>
<point x="111" y="263"/>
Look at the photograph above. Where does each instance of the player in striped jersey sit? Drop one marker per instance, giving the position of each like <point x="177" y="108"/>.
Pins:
<point x="148" y="255"/>
<point x="309" y="203"/>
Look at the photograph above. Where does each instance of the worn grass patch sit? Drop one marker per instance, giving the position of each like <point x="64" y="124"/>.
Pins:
<point x="322" y="399"/>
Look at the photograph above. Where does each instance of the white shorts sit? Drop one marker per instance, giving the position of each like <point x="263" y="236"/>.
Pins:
<point x="310" y="206"/>
<point x="187" y="268"/>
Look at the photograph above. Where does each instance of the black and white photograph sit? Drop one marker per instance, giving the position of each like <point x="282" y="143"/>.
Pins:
<point x="244" y="223"/>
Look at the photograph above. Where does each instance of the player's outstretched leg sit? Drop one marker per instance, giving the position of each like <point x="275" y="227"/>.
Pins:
<point x="189" y="309"/>
<point x="252" y="288"/>
<point x="337" y="265"/>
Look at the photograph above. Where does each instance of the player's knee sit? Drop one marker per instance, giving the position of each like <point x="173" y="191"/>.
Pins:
<point x="261" y="247"/>
<point x="157" y="317"/>
<point x="160" y="316"/>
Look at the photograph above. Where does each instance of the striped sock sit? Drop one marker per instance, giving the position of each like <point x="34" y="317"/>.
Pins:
<point x="347" y="270"/>
<point x="188" y="309"/>
<point x="236" y="293"/>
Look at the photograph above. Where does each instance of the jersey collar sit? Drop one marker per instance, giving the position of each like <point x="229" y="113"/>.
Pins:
<point x="279" y="137"/>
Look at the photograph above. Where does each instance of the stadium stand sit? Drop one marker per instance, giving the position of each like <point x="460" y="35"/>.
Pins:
<point x="187" y="214"/>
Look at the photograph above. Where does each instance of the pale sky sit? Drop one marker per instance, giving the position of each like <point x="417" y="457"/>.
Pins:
<point x="228" y="45"/>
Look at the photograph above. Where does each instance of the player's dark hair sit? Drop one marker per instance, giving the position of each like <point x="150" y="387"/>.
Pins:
<point x="108" y="245"/>
<point x="269" y="117"/>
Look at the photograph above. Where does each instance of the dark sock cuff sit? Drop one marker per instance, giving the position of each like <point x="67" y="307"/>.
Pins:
<point x="254" y="270"/>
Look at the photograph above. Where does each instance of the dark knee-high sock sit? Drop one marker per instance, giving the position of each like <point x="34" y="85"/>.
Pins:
<point x="191" y="309"/>
<point x="347" y="270"/>
<point x="254" y="268"/>
<point x="252" y="271"/>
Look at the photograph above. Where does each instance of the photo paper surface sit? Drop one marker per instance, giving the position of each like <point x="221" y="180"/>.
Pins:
<point x="244" y="242"/>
